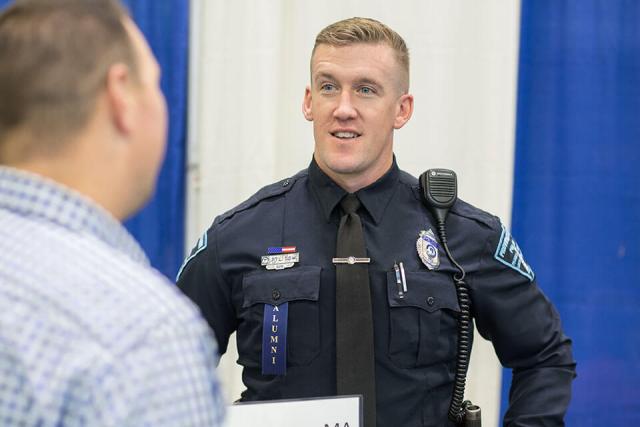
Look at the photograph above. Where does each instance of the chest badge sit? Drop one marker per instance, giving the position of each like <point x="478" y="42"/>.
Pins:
<point x="427" y="248"/>
<point x="280" y="257"/>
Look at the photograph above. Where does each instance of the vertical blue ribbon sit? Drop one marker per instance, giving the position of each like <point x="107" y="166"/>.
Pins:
<point x="274" y="339"/>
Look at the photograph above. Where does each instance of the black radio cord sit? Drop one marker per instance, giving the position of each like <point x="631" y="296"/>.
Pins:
<point x="457" y="407"/>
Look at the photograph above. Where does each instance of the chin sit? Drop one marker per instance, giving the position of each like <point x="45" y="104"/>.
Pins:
<point x="343" y="167"/>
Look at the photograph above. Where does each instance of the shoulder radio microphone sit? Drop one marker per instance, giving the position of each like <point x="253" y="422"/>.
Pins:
<point x="439" y="189"/>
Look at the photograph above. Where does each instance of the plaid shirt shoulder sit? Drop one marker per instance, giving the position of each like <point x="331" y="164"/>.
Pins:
<point x="90" y="335"/>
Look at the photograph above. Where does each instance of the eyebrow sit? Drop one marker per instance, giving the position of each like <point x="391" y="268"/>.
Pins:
<point x="323" y="75"/>
<point x="366" y="81"/>
<point x="358" y="82"/>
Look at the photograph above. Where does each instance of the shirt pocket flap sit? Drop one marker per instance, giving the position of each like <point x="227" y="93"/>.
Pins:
<point x="427" y="291"/>
<point x="278" y="287"/>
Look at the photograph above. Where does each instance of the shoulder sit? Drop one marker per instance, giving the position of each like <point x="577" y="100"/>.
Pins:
<point x="467" y="225"/>
<point x="271" y="191"/>
<point x="480" y="233"/>
<point x="409" y="181"/>
<point x="94" y="296"/>
<point x="461" y="209"/>
<point x="258" y="212"/>
<point x="500" y="249"/>
<point x="117" y="301"/>
<point x="475" y="216"/>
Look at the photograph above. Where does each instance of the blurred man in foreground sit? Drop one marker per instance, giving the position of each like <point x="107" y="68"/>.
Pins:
<point x="90" y="334"/>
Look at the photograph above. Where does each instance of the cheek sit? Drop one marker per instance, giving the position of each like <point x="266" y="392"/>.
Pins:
<point x="323" y="109"/>
<point x="157" y="116"/>
<point x="161" y="110"/>
<point x="154" y="124"/>
<point x="384" y="119"/>
<point x="162" y="125"/>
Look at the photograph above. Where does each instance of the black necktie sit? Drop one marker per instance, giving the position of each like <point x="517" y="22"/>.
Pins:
<point x="355" y="369"/>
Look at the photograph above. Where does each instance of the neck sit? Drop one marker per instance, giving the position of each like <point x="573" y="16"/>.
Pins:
<point x="79" y="164"/>
<point x="352" y="182"/>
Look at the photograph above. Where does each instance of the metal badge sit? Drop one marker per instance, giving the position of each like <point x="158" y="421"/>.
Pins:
<point x="280" y="258"/>
<point x="427" y="247"/>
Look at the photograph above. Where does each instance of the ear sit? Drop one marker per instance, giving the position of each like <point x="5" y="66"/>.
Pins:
<point x="404" y="110"/>
<point x="119" y="97"/>
<point x="306" y="104"/>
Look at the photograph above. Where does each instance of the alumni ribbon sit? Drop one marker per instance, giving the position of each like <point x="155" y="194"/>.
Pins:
<point x="274" y="339"/>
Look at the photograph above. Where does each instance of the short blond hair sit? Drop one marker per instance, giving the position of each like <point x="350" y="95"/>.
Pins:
<point x="364" y="30"/>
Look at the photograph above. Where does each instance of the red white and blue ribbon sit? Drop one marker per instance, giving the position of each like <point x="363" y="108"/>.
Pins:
<point x="281" y="249"/>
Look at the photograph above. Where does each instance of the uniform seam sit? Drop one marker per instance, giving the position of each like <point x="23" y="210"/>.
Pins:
<point x="486" y="250"/>
<point x="220" y="272"/>
<point x="284" y="214"/>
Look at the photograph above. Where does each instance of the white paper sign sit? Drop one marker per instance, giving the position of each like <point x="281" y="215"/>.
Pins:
<point x="341" y="411"/>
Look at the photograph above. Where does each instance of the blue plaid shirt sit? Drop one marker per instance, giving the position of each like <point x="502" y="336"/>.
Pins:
<point x="90" y="335"/>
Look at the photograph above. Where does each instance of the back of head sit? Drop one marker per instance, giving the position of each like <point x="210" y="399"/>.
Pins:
<point x="54" y="57"/>
<point x="365" y="30"/>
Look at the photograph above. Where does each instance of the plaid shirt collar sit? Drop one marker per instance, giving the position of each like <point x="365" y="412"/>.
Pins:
<point x="40" y="198"/>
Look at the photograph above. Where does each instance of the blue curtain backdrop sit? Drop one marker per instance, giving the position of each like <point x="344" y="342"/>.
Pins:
<point x="576" y="209"/>
<point x="159" y="227"/>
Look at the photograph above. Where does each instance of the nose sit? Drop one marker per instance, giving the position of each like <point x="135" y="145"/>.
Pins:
<point x="345" y="110"/>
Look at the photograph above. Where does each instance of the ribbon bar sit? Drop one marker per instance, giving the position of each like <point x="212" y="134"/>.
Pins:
<point x="351" y="260"/>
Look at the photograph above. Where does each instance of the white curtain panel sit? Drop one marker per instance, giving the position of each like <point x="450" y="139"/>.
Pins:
<point x="249" y="67"/>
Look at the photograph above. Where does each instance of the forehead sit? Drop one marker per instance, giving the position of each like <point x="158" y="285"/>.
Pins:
<point x="360" y="60"/>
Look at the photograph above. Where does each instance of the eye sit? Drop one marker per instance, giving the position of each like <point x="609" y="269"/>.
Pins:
<point x="366" y="90"/>
<point x="327" y="87"/>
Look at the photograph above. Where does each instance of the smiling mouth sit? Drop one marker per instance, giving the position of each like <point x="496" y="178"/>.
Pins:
<point x="345" y="135"/>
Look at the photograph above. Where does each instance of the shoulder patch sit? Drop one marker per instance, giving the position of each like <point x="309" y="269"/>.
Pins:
<point x="508" y="253"/>
<point x="199" y="247"/>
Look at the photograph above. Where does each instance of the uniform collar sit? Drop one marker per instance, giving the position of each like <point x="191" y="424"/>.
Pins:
<point x="374" y="198"/>
<point x="37" y="197"/>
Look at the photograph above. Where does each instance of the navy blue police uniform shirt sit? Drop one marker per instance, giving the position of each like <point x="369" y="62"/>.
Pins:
<point x="415" y="336"/>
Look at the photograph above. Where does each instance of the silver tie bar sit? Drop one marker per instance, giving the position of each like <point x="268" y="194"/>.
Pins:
<point x="351" y="260"/>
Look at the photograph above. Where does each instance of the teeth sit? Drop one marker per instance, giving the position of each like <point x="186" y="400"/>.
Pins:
<point x="345" y="135"/>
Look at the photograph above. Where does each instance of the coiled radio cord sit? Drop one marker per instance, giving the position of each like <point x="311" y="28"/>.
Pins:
<point x="458" y="407"/>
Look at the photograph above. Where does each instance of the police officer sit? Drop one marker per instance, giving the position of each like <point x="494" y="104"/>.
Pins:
<point x="267" y="268"/>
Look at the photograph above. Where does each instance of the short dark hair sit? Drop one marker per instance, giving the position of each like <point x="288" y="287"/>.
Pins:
<point x="54" y="58"/>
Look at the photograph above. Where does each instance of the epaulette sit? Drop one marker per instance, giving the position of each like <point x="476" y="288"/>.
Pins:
<point x="271" y="190"/>
<point x="466" y="210"/>
<point x="408" y="179"/>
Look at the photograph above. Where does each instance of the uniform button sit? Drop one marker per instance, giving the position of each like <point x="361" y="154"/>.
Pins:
<point x="285" y="183"/>
<point x="431" y="300"/>
<point x="275" y="294"/>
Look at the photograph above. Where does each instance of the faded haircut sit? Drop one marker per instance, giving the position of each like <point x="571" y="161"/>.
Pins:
<point x="365" y="30"/>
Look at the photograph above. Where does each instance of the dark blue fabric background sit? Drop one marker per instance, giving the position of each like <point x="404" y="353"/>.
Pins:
<point x="159" y="227"/>
<point x="576" y="210"/>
